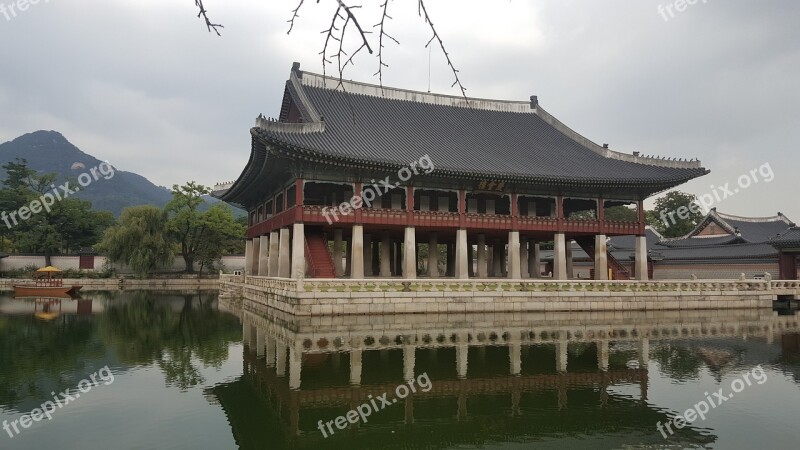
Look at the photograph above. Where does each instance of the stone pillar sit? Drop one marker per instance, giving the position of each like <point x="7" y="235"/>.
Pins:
<point x="524" y="259"/>
<point x="270" y="352"/>
<point x="274" y="253"/>
<point x="255" y="254"/>
<point x="260" y="343"/>
<point x="561" y="355"/>
<point x="461" y="264"/>
<point x="357" y="253"/>
<point x="409" y="360"/>
<point x="515" y="356"/>
<point x="514" y="264"/>
<point x="644" y="352"/>
<point x="337" y="253"/>
<point x="355" y="366"/>
<point x="559" y="257"/>
<point x="602" y="355"/>
<point x="367" y="254"/>
<point x="295" y="368"/>
<point x="263" y="257"/>
<point x="641" y="258"/>
<point x="386" y="255"/>
<point x="248" y="257"/>
<point x="535" y="259"/>
<point x="280" y="359"/>
<point x="284" y="258"/>
<point x="433" y="255"/>
<point x="299" y="252"/>
<point x="570" y="261"/>
<point x="482" y="272"/>
<point x="410" y="254"/>
<point x="600" y="258"/>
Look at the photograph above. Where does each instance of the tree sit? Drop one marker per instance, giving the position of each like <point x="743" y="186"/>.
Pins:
<point x="140" y="239"/>
<point x="222" y="234"/>
<point x="621" y="213"/>
<point x="675" y="214"/>
<point x="186" y="224"/>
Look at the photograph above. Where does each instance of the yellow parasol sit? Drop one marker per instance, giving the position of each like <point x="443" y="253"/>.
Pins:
<point x="49" y="269"/>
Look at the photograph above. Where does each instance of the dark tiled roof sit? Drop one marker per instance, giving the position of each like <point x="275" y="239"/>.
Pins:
<point x="702" y="241"/>
<point x="735" y="251"/>
<point x="788" y="239"/>
<point x="750" y="230"/>
<point x="508" y="140"/>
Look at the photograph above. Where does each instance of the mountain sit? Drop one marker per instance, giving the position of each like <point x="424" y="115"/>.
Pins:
<point x="49" y="151"/>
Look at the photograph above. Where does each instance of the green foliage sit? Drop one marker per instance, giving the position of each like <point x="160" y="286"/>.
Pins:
<point x="221" y="235"/>
<point x="675" y="214"/>
<point x="140" y="240"/>
<point x="621" y="213"/>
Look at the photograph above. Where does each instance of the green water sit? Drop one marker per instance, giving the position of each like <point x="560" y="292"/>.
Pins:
<point x="197" y="372"/>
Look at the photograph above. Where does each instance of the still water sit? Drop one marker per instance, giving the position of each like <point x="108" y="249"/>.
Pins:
<point x="141" y="370"/>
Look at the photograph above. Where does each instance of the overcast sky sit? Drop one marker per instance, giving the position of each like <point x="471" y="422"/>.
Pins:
<point x="145" y="86"/>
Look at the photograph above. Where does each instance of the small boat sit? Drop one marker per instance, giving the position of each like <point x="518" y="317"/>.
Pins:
<point x="47" y="282"/>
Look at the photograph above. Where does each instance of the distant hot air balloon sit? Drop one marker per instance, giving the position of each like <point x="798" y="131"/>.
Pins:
<point x="78" y="166"/>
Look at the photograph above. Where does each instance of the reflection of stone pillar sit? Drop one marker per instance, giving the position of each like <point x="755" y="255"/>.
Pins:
<point x="246" y="332"/>
<point x="515" y="355"/>
<point x="284" y="258"/>
<point x="260" y="344"/>
<point x="602" y="355"/>
<point x="357" y="253"/>
<point x="270" y="352"/>
<point x="337" y="253"/>
<point x="600" y="258"/>
<point x="433" y="255"/>
<point x="523" y="258"/>
<point x="482" y="272"/>
<point x="255" y="255"/>
<point x="410" y="254"/>
<point x="514" y="268"/>
<point x="409" y="410"/>
<point x="248" y="257"/>
<point x="367" y="254"/>
<point x="409" y="360"/>
<point x="274" y="252"/>
<point x="280" y="359"/>
<point x="561" y="356"/>
<point x="461" y="261"/>
<point x="386" y="256"/>
<point x="644" y="352"/>
<point x="299" y="252"/>
<point x="462" y="353"/>
<point x="641" y="258"/>
<point x="355" y="366"/>
<point x="559" y="257"/>
<point x="295" y="368"/>
<point x="263" y="257"/>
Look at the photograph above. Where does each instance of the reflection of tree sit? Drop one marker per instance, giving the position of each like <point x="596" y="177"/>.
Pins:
<point x="678" y="360"/>
<point x="146" y="330"/>
<point x="34" y="355"/>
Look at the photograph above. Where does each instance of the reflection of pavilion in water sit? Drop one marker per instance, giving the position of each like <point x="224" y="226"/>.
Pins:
<point x="49" y="307"/>
<point x="585" y="371"/>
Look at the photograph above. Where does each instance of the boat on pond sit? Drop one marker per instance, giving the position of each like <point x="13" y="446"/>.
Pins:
<point x="47" y="282"/>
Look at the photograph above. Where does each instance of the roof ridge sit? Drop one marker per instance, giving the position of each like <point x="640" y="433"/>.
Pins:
<point x="779" y="218"/>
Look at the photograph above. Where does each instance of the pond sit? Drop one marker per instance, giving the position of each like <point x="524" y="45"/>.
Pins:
<point x="160" y="370"/>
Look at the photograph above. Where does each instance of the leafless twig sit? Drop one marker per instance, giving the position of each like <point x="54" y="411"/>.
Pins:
<point x="203" y="14"/>
<point x="383" y="33"/>
<point x="423" y="12"/>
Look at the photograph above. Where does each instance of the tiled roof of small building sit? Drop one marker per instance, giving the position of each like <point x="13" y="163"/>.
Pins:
<point x="788" y="239"/>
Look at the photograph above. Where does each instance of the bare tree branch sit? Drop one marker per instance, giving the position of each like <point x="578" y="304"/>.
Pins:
<point x="295" y="16"/>
<point x="424" y="12"/>
<point x="383" y="33"/>
<point x="203" y="14"/>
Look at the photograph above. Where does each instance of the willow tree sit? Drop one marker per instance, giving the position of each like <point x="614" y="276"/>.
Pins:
<point x="140" y="240"/>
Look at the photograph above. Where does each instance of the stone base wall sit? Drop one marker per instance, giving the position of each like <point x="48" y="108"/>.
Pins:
<point x="344" y="297"/>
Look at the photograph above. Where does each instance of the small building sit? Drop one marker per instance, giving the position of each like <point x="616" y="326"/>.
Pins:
<point x="358" y="180"/>
<point x="722" y="246"/>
